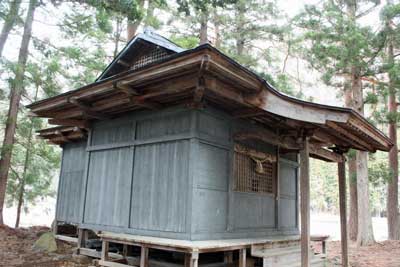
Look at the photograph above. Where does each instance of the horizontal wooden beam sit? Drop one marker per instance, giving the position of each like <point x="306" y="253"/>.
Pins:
<point x="288" y="142"/>
<point x="325" y="154"/>
<point x="246" y="113"/>
<point x="87" y="110"/>
<point x="268" y="137"/>
<point x="70" y="122"/>
<point x="126" y="89"/>
<point x="349" y="135"/>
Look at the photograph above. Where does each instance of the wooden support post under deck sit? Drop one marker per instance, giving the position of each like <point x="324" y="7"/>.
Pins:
<point x="305" y="203"/>
<point x="192" y="259"/>
<point x="242" y="257"/>
<point x="82" y="237"/>
<point x="342" y="207"/>
<point x="104" y="251"/>
<point x="144" y="257"/>
<point x="228" y="258"/>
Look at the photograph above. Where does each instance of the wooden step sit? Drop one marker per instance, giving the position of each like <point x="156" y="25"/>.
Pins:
<point x="285" y="256"/>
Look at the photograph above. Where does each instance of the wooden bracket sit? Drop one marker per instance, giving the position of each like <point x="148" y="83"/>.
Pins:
<point x="125" y="88"/>
<point x="70" y="122"/>
<point x="62" y="137"/>
<point x="87" y="109"/>
<point x="199" y="91"/>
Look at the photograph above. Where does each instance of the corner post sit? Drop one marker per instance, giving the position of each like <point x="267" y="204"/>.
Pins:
<point x="342" y="208"/>
<point x="305" y="202"/>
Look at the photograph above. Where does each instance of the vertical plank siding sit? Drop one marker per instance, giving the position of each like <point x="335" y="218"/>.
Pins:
<point x="159" y="183"/>
<point x="71" y="183"/>
<point x="169" y="173"/>
<point x="288" y="194"/>
<point x="109" y="186"/>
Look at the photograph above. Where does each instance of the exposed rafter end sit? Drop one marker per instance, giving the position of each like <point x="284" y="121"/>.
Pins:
<point x="70" y="122"/>
<point x="199" y="91"/>
<point x="87" y="110"/>
<point x="325" y="154"/>
<point x="125" y="88"/>
<point x="247" y="113"/>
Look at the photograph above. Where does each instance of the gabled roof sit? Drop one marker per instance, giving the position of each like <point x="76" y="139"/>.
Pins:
<point x="144" y="48"/>
<point x="206" y="75"/>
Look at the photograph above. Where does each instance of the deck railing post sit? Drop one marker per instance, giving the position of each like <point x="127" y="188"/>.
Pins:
<point x="305" y="203"/>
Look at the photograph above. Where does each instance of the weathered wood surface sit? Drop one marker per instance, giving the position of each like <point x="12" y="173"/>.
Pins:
<point x="343" y="217"/>
<point x="68" y="239"/>
<point x="305" y="203"/>
<point x="225" y="83"/>
<point x="201" y="246"/>
<point x="169" y="174"/>
<point x="69" y="195"/>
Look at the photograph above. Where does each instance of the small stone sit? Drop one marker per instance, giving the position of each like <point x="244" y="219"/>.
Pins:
<point x="46" y="243"/>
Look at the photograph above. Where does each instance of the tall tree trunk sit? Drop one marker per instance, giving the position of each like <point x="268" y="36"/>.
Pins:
<point x="203" y="28"/>
<point x="149" y="13"/>
<point x="133" y="26"/>
<point x="392" y="187"/>
<point x="9" y="23"/>
<point x="353" y="215"/>
<point x="27" y="162"/>
<point x="365" y="235"/>
<point x="217" y="30"/>
<point x="15" y="99"/>
<point x="352" y="167"/>
<point x="117" y="37"/>
<point x="240" y="13"/>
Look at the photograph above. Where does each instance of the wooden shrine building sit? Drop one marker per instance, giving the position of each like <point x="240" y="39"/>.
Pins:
<point x="186" y="151"/>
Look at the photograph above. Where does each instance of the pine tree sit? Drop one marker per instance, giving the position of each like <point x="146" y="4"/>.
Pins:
<point x="345" y="52"/>
<point x="9" y="20"/>
<point x="15" y="98"/>
<point x="391" y="32"/>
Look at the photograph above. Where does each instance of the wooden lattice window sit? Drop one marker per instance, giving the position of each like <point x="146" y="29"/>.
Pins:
<point x="254" y="171"/>
<point x="154" y="55"/>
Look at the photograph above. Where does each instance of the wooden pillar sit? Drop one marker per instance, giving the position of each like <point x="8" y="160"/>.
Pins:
<point x="342" y="207"/>
<point x="125" y="250"/>
<point x="242" y="257"/>
<point x="228" y="258"/>
<point x="82" y="238"/>
<point x="305" y="203"/>
<point x="192" y="259"/>
<point x="104" y="250"/>
<point x="144" y="257"/>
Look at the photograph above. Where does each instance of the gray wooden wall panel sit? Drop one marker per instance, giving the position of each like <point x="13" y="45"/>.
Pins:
<point x="212" y="167"/>
<point x="288" y="213"/>
<point x="139" y="179"/>
<point x="110" y="133"/>
<point x="253" y="211"/>
<point x="210" y="200"/>
<point x="71" y="183"/>
<point x="214" y="126"/>
<point x="170" y="124"/>
<point x="288" y="191"/>
<point x="160" y="186"/>
<point x="109" y="187"/>
<point x="211" y="210"/>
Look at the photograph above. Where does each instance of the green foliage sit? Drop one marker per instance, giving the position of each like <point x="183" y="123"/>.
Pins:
<point x="336" y="42"/>
<point x="187" y="42"/>
<point x="203" y="6"/>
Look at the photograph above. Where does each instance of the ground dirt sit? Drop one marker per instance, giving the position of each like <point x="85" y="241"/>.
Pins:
<point x="380" y="254"/>
<point x="16" y="250"/>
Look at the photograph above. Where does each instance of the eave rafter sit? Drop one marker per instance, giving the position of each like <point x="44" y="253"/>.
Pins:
<point x="87" y="110"/>
<point x="206" y="74"/>
<point x="290" y="143"/>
